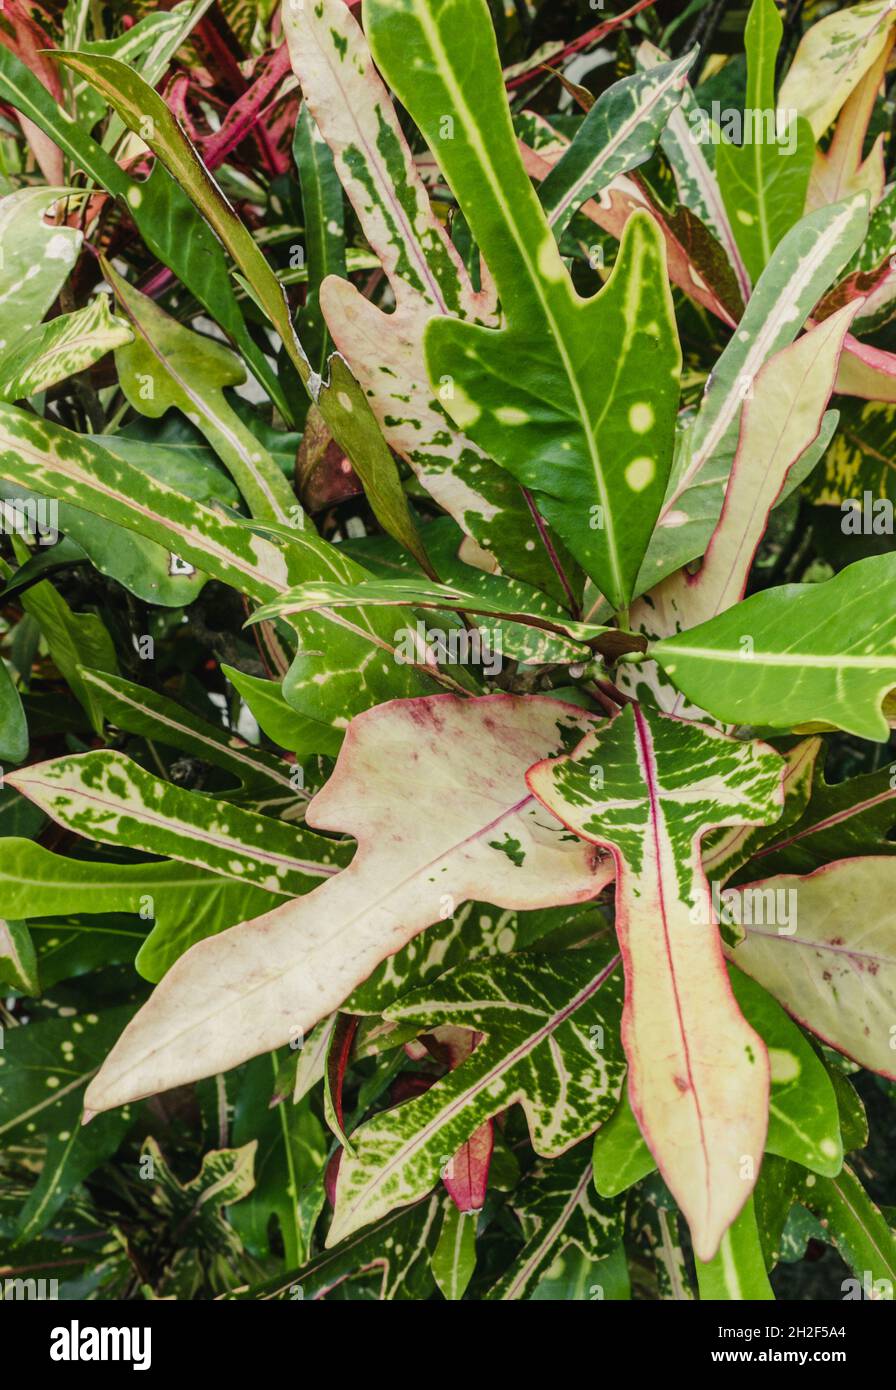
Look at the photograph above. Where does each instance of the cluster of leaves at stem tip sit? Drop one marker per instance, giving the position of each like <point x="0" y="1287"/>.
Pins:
<point x="448" y="649"/>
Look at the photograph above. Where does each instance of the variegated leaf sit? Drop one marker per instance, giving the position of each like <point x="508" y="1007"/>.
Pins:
<point x="764" y="180"/>
<point x="354" y="113"/>
<point x="59" y="349"/>
<point x="737" y="1271"/>
<point x="648" y="788"/>
<point x="530" y="628"/>
<point x="165" y="364"/>
<point x="834" y="966"/>
<point x="104" y="796"/>
<point x="37" y="260"/>
<point x="694" y="176"/>
<point x="802" y="267"/>
<point x="558" y="1209"/>
<point x="842" y="820"/>
<point x="394" y="1256"/>
<point x="832" y="58"/>
<point x="335" y="673"/>
<point x="419" y="855"/>
<point x="782" y="420"/>
<point x="589" y="443"/>
<point x="798" y="654"/>
<point x="619" y="133"/>
<point x="551" y="1027"/>
<point x="181" y="902"/>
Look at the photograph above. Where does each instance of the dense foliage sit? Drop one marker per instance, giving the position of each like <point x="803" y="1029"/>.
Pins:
<point x="448" y="649"/>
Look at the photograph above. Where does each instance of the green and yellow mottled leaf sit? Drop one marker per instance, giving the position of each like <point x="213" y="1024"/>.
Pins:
<point x="648" y="788"/>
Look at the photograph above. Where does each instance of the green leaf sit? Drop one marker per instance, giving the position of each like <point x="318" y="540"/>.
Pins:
<point x="859" y="462"/>
<point x="37" y="259"/>
<point x="107" y="797"/>
<point x="561" y="1215"/>
<point x="13" y="725"/>
<point x="183" y="902"/>
<point x="324" y="218"/>
<point x="289" y="1165"/>
<point x="738" y="1270"/>
<point x="166" y="219"/>
<point x="454" y="1257"/>
<point x="61" y="348"/>
<point x="619" y="133"/>
<point x="18" y="961"/>
<point x="834" y="967"/>
<point x="858" y="1230"/>
<point x="802" y="267"/>
<point x="165" y="365"/>
<point x="795" y="655"/>
<point x="764" y="180"/>
<point x="593" y="449"/>
<point x="555" y="1051"/>
<point x="195" y="1209"/>
<point x="354" y="113"/>
<point x="647" y="788"/>
<point x="396" y="1253"/>
<point x="620" y="1157"/>
<point x="262" y="983"/>
<point x="283" y="724"/>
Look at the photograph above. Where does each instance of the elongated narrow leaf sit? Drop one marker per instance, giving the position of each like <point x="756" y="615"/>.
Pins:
<point x="324" y="216"/>
<point x="342" y="402"/>
<point x="165" y="364"/>
<point x="555" y="1051"/>
<point x="454" y="1258"/>
<point x="648" y="788"/>
<point x="782" y="420"/>
<point x="64" y="346"/>
<point x="165" y="217"/>
<point x="842" y="820"/>
<point x="765" y="179"/>
<point x="419" y="855"/>
<point x="334" y="674"/>
<point x="394" y="1255"/>
<point x="143" y="711"/>
<point x="804" y="1119"/>
<point x="858" y="1230"/>
<point x="833" y="965"/>
<point x="590" y="444"/>
<point x="355" y="115"/>
<point x="695" y="177"/>
<point x="803" y="266"/>
<point x="18" y="961"/>
<point x="802" y="653"/>
<point x="532" y="627"/>
<point x="13" y="726"/>
<point x="107" y="797"/>
<point x="619" y="133"/>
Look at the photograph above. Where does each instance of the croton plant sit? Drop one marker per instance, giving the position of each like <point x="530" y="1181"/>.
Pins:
<point x="449" y="644"/>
